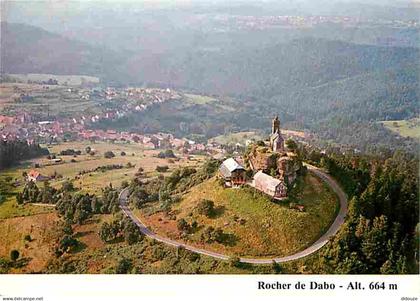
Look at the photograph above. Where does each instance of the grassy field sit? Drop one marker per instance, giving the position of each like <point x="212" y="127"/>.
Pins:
<point x="72" y="80"/>
<point x="57" y="100"/>
<point x="94" y="181"/>
<point x="8" y="206"/>
<point x="234" y="138"/>
<point x="270" y="229"/>
<point x="405" y="128"/>
<point x="37" y="251"/>
<point x="199" y="99"/>
<point x="242" y="137"/>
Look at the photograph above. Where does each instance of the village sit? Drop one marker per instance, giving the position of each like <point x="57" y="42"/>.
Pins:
<point x="45" y="126"/>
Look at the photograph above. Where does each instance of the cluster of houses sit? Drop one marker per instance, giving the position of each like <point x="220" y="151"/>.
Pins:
<point x="24" y="126"/>
<point x="262" y="159"/>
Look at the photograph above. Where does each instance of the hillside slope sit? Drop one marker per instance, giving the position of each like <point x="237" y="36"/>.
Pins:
<point x="29" y="49"/>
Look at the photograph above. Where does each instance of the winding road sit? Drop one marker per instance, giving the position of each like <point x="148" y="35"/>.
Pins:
<point x="339" y="220"/>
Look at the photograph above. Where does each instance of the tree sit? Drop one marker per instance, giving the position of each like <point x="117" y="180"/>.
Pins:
<point x="68" y="186"/>
<point x="205" y="207"/>
<point x="124" y="184"/>
<point x="276" y="267"/>
<point x="234" y="261"/>
<point x="109" y="155"/>
<point x="67" y="228"/>
<point x="19" y="198"/>
<point x="169" y="154"/>
<point x="207" y="235"/>
<point x="218" y="235"/>
<point x="123" y="266"/>
<point x="80" y="215"/>
<point x="67" y="243"/>
<point x="163" y="168"/>
<point x="14" y="255"/>
<point x="123" y="153"/>
<point x="291" y="144"/>
<point x="131" y="232"/>
<point x="182" y="225"/>
<point x="105" y="232"/>
<point x="88" y="149"/>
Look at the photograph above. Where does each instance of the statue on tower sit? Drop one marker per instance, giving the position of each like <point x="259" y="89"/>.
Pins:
<point x="276" y="139"/>
<point x="275" y="125"/>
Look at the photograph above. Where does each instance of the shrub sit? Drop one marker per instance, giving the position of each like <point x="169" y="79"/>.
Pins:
<point x="14" y="255"/>
<point x="166" y="154"/>
<point x="68" y="243"/>
<point x="163" y="168"/>
<point x="123" y="266"/>
<point x="182" y="225"/>
<point x="124" y="184"/>
<point x="205" y="207"/>
<point x="109" y="155"/>
<point x="169" y="154"/>
<point x="207" y="235"/>
<point x="234" y="261"/>
<point x="123" y="153"/>
<point x="276" y="267"/>
<point x="27" y="238"/>
<point x="131" y="232"/>
<point x="70" y="152"/>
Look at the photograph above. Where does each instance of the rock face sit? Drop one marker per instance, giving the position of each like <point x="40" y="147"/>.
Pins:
<point x="262" y="158"/>
<point x="287" y="167"/>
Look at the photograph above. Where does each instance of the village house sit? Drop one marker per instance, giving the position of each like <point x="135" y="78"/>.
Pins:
<point x="269" y="185"/>
<point x="36" y="176"/>
<point x="233" y="173"/>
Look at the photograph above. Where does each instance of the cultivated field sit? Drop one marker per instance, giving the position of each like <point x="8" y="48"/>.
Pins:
<point x="233" y="138"/>
<point x="252" y="223"/>
<point x="47" y="100"/>
<point x="406" y="128"/>
<point x="198" y="99"/>
<point x="71" y="80"/>
<point x="92" y="181"/>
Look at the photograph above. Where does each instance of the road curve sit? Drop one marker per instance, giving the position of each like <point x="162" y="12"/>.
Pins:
<point x="339" y="220"/>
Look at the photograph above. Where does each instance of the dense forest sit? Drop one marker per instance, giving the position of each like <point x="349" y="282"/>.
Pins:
<point x="11" y="152"/>
<point x="380" y="235"/>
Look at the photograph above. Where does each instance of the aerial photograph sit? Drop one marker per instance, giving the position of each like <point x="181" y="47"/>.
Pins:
<point x="210" y="137"/>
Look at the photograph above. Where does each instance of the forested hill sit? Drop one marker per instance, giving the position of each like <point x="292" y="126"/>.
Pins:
<point x="280" y="68"/>
<point x="29" y="49"/>
<point x="337" y="89"/>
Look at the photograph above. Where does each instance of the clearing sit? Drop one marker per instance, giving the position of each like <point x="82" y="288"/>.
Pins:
<point x="405" y="128"/>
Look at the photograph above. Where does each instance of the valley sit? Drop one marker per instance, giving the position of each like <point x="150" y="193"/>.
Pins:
<point x="209" y="138"/>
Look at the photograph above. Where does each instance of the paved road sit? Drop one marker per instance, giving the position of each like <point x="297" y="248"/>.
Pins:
<point x="311" y="249"/>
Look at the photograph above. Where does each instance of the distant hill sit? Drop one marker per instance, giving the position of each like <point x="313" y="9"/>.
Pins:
<point x="335" y="88"/>
<point x="29" y="49"/>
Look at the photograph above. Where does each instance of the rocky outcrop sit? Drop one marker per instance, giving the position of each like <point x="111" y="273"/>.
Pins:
<point x="262" y="158"/>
